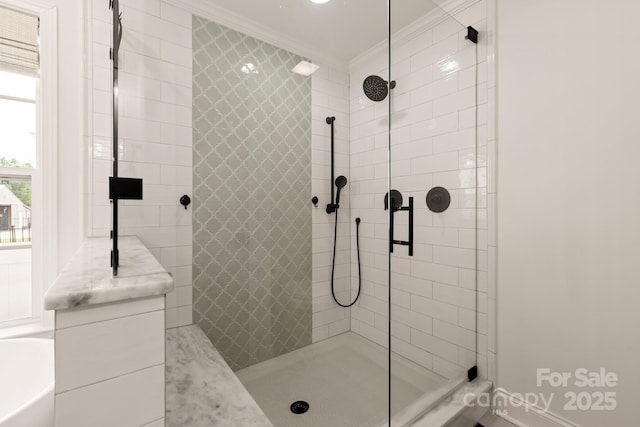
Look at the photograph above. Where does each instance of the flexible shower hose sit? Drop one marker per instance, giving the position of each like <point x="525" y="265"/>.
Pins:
<point x="333" y="265"/>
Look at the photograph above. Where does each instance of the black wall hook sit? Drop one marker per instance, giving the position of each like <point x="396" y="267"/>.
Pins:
<point x="185" y="201"/>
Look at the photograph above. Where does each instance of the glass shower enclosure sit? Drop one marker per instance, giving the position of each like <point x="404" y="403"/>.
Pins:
<point x="436" y="165"/>
<point x="339" y="206"/>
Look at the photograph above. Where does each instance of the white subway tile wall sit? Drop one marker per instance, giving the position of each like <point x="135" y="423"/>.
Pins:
<point x="155" y="136"/>
<point x="330" y="98"/>
<point x="433" y="143"/>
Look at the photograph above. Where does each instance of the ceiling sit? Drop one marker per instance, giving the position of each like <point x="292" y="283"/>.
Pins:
<point x="339" y="29"/>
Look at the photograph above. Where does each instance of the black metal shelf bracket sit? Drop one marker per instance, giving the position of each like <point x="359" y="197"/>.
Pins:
<point x="393" y="241"/>
<point x="125" y="188"/>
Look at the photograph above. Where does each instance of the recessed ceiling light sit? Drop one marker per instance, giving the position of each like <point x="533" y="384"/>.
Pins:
<point x="305" y="68"/>
<point x="320" y="1"/>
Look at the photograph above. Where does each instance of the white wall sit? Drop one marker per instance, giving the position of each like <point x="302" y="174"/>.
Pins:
<point x="154" y="131"/>
<point x="568" y="197"/>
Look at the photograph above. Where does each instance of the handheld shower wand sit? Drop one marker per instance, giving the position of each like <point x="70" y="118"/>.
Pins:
<point x="332" y="207"/>
<point x="341" y="181"/>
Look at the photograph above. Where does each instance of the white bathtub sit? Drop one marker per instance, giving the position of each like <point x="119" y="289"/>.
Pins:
<point x="26" y="382"/>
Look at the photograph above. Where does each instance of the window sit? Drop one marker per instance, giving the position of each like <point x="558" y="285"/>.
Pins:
<point x="20" y="301"/>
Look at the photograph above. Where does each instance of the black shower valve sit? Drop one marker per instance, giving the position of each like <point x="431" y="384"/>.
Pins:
<point x="438" y="199"/>
<point x="314" y="200"/>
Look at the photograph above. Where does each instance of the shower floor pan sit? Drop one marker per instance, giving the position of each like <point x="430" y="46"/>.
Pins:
<point x="343" y="379"/>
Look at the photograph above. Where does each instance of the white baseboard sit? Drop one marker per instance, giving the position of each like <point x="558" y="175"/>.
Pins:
<point x="522" y="414"/>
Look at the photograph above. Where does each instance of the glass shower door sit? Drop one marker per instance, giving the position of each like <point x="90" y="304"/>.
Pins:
<point x="435" y="171"/>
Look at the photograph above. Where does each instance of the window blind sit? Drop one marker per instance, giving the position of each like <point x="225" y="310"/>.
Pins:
<point x="19" y="42"/>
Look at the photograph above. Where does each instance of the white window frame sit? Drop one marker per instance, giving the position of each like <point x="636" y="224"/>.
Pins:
<point x="44" y="177"/>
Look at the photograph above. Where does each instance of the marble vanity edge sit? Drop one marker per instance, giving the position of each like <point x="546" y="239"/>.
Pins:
<point x="87" y="280"/>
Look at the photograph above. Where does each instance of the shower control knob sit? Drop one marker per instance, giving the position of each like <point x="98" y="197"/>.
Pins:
<point x="438" y="199"/>
<point x="314" y="200"/>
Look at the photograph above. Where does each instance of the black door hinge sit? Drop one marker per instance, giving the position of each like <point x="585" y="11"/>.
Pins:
<point x="472" y="34"/>
<point x="472" y="373"/>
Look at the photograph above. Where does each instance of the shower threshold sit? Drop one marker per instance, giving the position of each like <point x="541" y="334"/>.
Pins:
<point x="344" y="379"/>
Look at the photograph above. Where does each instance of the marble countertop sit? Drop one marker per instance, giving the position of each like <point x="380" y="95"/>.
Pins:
<point x="201" y="388"/>
<point x="87" y="279"/>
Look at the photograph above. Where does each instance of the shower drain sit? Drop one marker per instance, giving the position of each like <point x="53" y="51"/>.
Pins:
<point x="299" y="407"/>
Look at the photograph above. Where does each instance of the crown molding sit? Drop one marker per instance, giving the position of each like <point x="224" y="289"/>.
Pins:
<point x="417" y="27"/>
<point x="453" y="7"/>
<point x="255" y="29"/>
<point x="252" y="28"/>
